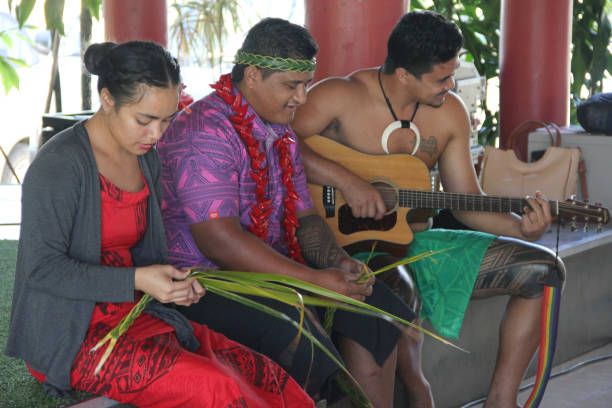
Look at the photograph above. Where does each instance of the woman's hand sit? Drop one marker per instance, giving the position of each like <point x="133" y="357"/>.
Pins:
<point x="168" y="285"/>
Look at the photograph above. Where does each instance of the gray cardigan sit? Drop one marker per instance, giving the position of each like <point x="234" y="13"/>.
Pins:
<point x="59" y="277"/>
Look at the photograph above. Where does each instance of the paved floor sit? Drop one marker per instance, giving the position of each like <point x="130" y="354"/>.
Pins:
<point x="587" y="386"/>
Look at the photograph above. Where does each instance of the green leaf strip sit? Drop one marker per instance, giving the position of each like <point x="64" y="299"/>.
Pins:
<point x="282" y="64"/>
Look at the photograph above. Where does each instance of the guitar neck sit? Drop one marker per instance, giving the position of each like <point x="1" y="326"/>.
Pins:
<point x="465" y="202"/>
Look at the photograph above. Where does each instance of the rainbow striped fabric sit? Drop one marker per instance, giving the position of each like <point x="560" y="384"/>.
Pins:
<point x="548" y="339"/>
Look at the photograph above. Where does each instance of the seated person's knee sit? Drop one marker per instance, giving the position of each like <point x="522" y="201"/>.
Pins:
<point x="536" y="276"/>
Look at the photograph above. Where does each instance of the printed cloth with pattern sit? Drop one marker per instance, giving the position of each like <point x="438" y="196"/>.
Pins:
<point x="148" y="367"/>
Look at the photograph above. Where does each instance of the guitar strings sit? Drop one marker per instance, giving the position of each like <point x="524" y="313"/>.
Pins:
<point x="511" y="203"/>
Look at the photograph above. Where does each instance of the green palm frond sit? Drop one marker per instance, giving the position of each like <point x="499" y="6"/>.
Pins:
<point x="294" y="292"/>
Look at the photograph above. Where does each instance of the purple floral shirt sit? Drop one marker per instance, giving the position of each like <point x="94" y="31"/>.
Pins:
<point x="206" y="175"/>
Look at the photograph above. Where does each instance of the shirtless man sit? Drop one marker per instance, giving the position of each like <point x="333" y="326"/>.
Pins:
<point x="415" y="84"/>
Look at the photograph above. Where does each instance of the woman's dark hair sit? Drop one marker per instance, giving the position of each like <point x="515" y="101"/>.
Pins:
<point x="275" y="37"/>
<point x="420" y="40"/>
<point x="124" y="68"/>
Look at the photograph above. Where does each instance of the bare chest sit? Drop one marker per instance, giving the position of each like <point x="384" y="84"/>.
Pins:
<point x="375" y="135"/>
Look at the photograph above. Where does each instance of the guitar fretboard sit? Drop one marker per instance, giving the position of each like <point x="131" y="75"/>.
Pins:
<point x="465" y="202"/>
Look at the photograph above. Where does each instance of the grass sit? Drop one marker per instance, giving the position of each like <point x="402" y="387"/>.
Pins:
<point x="19" y="388"/>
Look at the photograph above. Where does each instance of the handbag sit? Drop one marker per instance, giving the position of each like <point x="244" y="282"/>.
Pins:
<point x="595" y="114"/>
<point x="555" y="174"/>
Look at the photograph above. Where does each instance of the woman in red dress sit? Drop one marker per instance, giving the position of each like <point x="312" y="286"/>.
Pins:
<point x="92" y="242"/>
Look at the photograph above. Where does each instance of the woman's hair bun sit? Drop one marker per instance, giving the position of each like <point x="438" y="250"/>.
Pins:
<point x="97" y="58"/>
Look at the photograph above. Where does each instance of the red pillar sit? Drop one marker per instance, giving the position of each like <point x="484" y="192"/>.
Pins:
<point x="127" y="20"/>
<point x="351" y="34"/>
<point x="534" y="61"/>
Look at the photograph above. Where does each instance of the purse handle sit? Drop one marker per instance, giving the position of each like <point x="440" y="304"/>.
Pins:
<point x="532" y="125"/>
<point x="554" y="141"/>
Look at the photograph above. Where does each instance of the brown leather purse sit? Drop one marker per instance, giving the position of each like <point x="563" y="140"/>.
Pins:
<point x="555" y="174"/>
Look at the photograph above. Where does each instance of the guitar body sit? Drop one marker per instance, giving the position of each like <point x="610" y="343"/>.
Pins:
<point x="388" y="174"/>
<point x="404" y="184"/>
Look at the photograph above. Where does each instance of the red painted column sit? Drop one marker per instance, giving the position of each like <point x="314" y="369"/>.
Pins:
<point x="351" y="34"/>
<point x="127" y="20"/>
<point x="534" y="63"/>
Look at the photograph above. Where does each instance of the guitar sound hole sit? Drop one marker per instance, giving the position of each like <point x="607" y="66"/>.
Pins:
<point x="348" y="224"/>
<point x="388" y="193"/>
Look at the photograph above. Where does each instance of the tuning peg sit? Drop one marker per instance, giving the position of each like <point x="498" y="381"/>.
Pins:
<point x="573" y="197"/>
<point x="573" y="227"/>
<point x="585" y="228"/>
<point x="599" y="228"/>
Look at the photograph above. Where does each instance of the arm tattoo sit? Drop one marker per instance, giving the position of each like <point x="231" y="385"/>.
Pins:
<point x="319" y="246"/>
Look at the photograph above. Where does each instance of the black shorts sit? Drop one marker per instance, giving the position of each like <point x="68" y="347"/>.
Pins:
<point x="376" y="335"/>
<point x="307" y="364"/>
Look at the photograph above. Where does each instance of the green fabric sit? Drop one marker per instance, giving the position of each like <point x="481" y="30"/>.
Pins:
<point x="446" y="280"/>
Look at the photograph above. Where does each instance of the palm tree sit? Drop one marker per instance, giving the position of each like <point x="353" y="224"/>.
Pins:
<point x="203" y="26"/>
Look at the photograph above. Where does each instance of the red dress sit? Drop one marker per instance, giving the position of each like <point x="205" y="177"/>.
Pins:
<point x="148" y="367"/>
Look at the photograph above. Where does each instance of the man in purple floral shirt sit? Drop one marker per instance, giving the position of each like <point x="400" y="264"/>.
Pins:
<point x="235" y="197"/>
<point x="207" y="177"/>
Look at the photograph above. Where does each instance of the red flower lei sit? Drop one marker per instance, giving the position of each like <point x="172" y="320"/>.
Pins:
<point x="260" y="213"/>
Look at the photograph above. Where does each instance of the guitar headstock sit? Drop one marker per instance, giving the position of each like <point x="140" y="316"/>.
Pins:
<point x="573" y="212"/>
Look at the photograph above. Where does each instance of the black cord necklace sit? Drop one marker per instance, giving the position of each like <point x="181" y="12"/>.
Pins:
<point x="389" y="102"/>
<point x="397" y="123"/>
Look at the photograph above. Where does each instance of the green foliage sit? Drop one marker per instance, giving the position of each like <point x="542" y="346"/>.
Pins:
<point x="23" y="11"/>
<point x="54" y="15"/>
<point x="591" y="59"/>
<point x="94" y="7"/>
<point x="479" y="22"/>
<point x="10" y="78"/>
<point x="202" y="25"/>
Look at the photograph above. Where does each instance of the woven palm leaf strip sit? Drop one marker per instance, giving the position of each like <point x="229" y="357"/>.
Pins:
<point x="282" y="64"/>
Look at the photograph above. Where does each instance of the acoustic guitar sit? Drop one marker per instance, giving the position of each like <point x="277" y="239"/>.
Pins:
<point x="405" y="184"/>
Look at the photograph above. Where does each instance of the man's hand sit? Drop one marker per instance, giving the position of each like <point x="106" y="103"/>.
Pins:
<point x="344" y="277"/>
<point x="355" y="270"/>
<point x="168" y="285"/>
<point x="536" y="219"/>
<point x="365" y="201"/>
<point x="339" y="281"/>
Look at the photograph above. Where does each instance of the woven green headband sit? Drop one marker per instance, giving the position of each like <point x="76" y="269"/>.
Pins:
<point x="283" y="64"/>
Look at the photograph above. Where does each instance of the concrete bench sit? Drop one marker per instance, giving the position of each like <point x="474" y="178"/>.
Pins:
<point x="585" y="320"/>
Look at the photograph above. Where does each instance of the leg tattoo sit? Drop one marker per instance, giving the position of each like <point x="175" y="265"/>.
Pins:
<point x="517" y="268"/>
